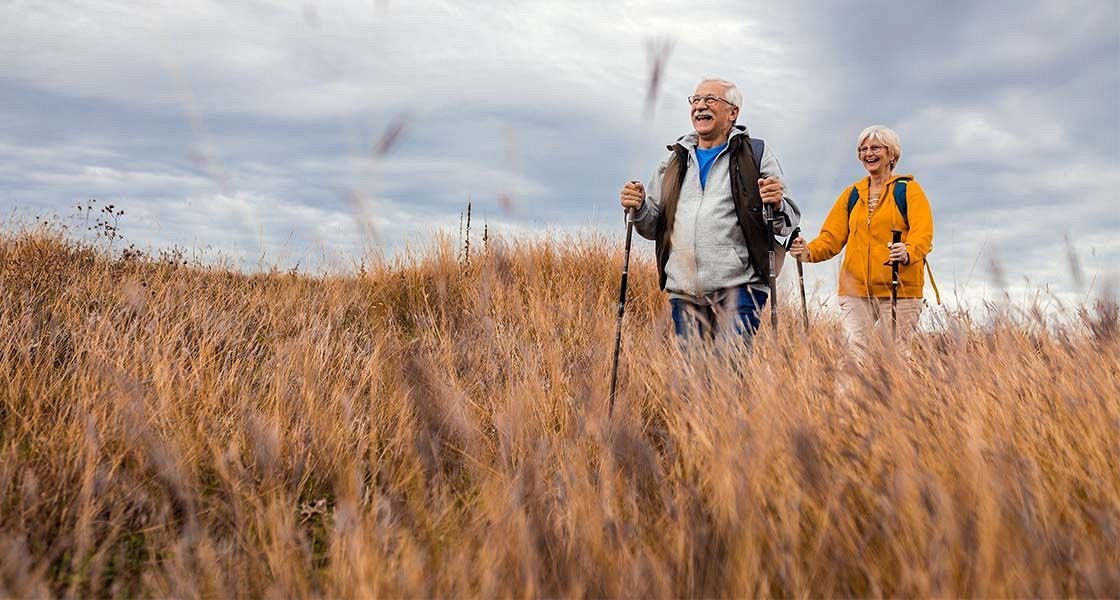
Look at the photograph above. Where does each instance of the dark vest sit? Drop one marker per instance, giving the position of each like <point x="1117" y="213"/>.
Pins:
<point x="744" y="192"/>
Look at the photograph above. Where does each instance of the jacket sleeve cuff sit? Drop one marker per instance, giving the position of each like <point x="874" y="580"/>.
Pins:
<point x="912" y="254"/>
<point x="643" y="211"/>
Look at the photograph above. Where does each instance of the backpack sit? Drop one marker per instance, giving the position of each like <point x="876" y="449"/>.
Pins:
<point x="900" y="203"/>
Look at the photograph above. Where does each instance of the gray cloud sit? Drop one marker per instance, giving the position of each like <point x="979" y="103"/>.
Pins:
<point x="250" y="128"/>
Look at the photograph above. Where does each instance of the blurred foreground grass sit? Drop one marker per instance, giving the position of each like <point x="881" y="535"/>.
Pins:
<point x="431" y="427"/>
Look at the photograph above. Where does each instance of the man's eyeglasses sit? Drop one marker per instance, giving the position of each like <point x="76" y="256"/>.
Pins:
<point x="874" y="149"/>
<point x="707" y="99"/>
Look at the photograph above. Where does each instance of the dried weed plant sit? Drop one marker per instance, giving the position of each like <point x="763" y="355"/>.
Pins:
<point x="432" y="427"/>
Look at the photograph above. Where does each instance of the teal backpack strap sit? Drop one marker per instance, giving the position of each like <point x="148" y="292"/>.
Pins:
<point x="852" y="199"/>
<point x="899" y="199"/>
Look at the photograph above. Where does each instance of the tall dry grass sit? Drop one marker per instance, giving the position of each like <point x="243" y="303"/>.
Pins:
<point x="432" y="428"/>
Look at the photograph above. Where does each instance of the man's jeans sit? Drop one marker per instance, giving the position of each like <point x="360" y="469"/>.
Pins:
<point x="738" y="313"/>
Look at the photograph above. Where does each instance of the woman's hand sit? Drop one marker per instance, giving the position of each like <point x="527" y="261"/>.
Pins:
<point x="799" y="250"/>
<point x="899" y="253"/>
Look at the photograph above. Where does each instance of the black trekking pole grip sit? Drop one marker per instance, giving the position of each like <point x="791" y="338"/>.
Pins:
<point x="621" y="309"/>
<point x="896" y="237"/>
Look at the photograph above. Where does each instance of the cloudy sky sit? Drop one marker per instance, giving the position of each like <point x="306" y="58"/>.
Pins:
<point x="285" y="130"/>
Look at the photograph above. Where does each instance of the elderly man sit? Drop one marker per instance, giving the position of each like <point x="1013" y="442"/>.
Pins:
<point x="703" y="209"/>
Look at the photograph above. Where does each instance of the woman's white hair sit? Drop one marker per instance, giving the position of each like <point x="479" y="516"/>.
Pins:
<point x="885" y="136"/>
<point x="731" y="92"/>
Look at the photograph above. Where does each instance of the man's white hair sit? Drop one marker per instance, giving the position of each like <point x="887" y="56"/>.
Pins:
<point x="731" y="92"/>
<point x="885" y="136"/>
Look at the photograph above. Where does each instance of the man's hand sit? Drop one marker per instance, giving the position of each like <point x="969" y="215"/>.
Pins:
<point x="899" y="253"/>
<point x="771" y="189"/>
<point x="632" y="195"/>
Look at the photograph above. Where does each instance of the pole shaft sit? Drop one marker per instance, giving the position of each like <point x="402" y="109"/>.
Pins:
<point x="621" y="310"/>
<point x="768" y="215"/>
<point x="896" y="237"/>
<point x="796" y="233"/>
<point x="801" y="285"/>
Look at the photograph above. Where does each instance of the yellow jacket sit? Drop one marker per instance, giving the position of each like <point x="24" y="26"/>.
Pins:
<point x="863" y="273"/>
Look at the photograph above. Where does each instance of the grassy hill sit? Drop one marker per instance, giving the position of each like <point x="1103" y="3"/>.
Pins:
<point x="438" y="427"/>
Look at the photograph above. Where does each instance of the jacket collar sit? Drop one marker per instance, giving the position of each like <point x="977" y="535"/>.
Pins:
<point x="864" y="184"/>
<point x="689" y="140"/>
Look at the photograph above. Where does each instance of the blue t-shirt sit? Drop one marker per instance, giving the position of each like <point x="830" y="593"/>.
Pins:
<point x="706" y="157"/>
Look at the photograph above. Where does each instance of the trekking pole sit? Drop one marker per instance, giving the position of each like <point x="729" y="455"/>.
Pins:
<point x="800" y="279"/>
<point x="768" y="216"/>
<point x="621" y="309"/>
<point x="896" y="237"/>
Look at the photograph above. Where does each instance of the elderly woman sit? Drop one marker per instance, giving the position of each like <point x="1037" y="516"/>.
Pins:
<point x="862" y="219"/>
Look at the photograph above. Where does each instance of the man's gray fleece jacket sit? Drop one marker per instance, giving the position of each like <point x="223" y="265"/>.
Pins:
<point x="708" y="252"/>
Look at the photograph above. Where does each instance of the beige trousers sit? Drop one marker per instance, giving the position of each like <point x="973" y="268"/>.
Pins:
<point x="867" y="324"/>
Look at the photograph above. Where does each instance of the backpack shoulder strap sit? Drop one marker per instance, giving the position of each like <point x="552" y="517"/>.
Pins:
<point x="853" y="198"/>
<point x="900" y="199"/>
<point x="757" y="148"/>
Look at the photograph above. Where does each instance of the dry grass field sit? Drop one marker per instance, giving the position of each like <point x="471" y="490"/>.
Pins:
<point x="433" y="427"/>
